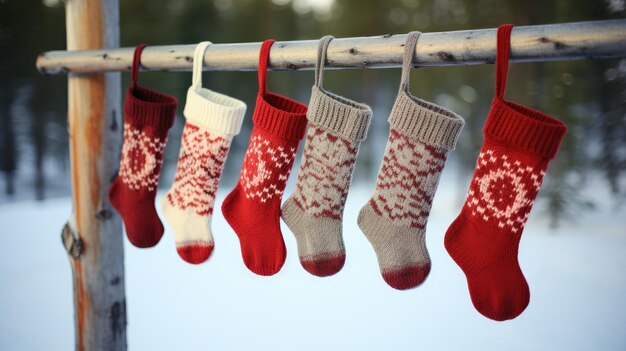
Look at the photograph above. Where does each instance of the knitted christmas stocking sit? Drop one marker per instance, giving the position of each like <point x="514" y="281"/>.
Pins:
<point x="213" y="119"/>
<point x="253" y="208"/>
<point x="394" y="220"/>
<point x="314" y="212"/>
<point x="484" y="239"/>
<point x="148" y="115"/>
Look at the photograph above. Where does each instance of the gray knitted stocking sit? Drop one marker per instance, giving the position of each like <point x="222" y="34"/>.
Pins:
<point x="394" y="220"/>
<point x="314" y="212"/>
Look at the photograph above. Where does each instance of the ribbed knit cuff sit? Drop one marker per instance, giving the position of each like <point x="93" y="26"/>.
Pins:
<point x="425" y="121"/>
<point x="280" y="116"/>
<point x="524" y="128"/>
<point x="146" y="107"/>
<point x="217" y="112"/>
<point x="345" y="117"/>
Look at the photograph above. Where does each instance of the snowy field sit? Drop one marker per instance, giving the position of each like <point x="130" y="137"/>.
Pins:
<point x="577" y="278"/>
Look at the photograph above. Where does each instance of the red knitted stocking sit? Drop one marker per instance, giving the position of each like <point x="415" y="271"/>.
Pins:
<point x="253" y="208"/>
<point x="484" y="239"/>
<point x="148" y="115"/>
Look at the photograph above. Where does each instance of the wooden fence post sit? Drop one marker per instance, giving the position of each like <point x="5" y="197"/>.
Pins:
<point x="93" y="235"/>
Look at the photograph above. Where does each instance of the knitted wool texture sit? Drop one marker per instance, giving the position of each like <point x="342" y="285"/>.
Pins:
<point x="253" y="208"/>
<point x="394" y="219"/>
<point x="148" y="116"/>
<point x="484" y="239"/>
<point x="212" y="119"/>
<point x="314" y="212"/>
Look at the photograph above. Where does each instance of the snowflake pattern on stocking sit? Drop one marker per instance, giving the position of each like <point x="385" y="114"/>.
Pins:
<point x="198" y="171"/>
<point x="503" y="190"/>
<point x="325" y="174"/>
<point x="142" y="157"/>
<point x="407" y="180"/>
<point x="266" y="168"/>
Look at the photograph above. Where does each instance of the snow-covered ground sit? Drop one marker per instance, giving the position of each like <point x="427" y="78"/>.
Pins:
<point x="577" y="277"/>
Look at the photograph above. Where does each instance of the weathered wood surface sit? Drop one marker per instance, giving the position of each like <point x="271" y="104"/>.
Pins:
<point x="565" y="41"/>
<point x="93" y="235"/>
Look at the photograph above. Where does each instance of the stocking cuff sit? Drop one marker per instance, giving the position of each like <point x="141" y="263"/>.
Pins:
<point x="146" y="107"/>
<point x="280" y="116"/>
<point x="425" y="121"/>
<point x="217" y="112"/>
<point x="345" y="117"/>
<point x="524" y="128"/>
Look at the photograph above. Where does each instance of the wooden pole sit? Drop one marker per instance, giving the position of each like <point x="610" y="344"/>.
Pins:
<point x="551" y="42"/>
<point x="93" y="235"/>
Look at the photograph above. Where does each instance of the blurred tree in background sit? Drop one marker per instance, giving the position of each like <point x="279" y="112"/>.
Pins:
<point x="589" y="96"/>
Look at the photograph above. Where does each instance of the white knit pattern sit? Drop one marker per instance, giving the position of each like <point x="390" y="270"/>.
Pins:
<point x="266" y="169"/>
<point x="141" y="155"/>
<point x="503" y="189"/>
<point x="200" y="163"/>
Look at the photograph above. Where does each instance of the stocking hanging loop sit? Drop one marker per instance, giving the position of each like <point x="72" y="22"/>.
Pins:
<point x="503" y="49"/>
<point x="407" y="59"/>
<point x="264" y="57"/>
<point x="134" y="72"/>
<point x="321" y="59"/>
<point x="198" y="63"/>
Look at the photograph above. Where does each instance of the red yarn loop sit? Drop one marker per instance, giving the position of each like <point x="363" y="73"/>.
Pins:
<point x="264" y="57"/>
<point x="502" y="58"/>
<point x="134" y="72"/>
